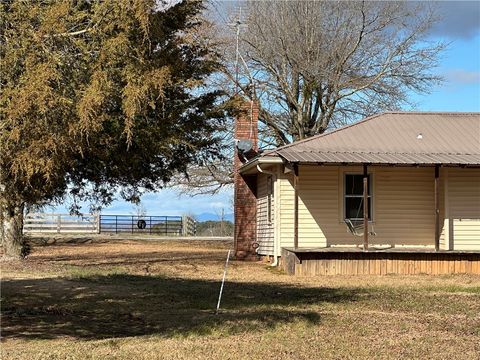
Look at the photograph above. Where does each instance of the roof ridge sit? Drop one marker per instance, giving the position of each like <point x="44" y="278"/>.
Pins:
<point x="432" y="112"/>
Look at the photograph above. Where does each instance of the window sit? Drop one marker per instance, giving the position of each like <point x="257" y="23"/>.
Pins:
<point x="353" y="194"/>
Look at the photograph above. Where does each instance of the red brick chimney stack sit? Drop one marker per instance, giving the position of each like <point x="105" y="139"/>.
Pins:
<point x="245" y="201"/>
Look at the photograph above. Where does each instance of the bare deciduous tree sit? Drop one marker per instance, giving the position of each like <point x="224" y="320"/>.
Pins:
<point x="314" y="65"/>
<point x="317" y="64"/>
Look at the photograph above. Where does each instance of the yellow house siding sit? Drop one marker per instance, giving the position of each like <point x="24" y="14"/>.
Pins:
<point x="318" y="207"/>
<point x="404" y="210"/>
<point x="403" y="206"/>
<point x="285" y="211"/>
<point x="265" y="228"/>
<point x="317" y="195"/>
<point x="464" y="208"/>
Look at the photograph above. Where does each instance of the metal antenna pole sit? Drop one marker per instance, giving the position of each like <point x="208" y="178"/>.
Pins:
<point x="223" y="282"/>
<point x="238" y="25"/>
<point x="238" y="22"/>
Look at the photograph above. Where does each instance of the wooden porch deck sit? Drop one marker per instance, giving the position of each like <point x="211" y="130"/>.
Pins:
<point x="355" y="261"/>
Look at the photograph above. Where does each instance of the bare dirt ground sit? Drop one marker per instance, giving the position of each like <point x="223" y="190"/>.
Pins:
<point x="123" y="299"/>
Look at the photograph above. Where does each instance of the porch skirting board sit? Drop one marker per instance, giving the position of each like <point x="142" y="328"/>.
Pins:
<point x="313" y="263"/>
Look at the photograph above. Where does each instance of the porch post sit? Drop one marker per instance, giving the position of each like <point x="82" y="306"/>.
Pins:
<point x="437" y="205"/>
<point x="295" y="209"/>
<point x="365" y="207"/>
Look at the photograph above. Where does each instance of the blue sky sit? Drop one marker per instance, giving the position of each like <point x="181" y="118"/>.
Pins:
<point x="460" y="66"/>
<point x="171" y="202"/>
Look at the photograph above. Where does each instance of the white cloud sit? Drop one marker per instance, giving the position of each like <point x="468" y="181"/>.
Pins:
<point x="463" y="76"/>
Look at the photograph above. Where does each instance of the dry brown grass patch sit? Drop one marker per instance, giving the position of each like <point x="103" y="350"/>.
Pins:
<point x="146" y="300"/>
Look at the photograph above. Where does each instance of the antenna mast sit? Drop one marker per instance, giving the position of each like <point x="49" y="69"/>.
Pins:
<point x="238" y="24"/>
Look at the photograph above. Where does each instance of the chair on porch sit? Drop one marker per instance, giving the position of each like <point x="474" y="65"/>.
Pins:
<point x="358" y="230"/>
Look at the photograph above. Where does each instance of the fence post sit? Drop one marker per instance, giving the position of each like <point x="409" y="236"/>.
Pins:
<point x="166" y="225"/>
<point x="132" y="224"/>
<point x="59" y="223"/>
<point x="150" y="225"/>
<point x="99" y="222"/>
<point x="116" y="224"/>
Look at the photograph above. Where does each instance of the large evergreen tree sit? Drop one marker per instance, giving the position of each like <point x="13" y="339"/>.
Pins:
<point x="98" y="96"/>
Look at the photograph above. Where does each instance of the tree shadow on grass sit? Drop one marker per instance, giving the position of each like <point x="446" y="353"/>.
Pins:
<point x="96" y="307"/>
<point x="124" y="259"/>
<point x="63" y="240"/>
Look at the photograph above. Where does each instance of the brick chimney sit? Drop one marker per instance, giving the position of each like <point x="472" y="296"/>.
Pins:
<point x="245" y="187"/>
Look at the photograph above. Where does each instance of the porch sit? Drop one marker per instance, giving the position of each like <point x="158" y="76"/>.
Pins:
<point x="356" y="261"/>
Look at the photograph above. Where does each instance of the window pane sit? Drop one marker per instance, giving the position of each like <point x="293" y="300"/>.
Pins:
<point x="354" y="184"/>
<point x="354" y="208"/>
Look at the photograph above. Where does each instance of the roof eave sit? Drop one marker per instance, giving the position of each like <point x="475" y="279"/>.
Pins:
<point x="386" y="164"/>
<point x="251" y="166"/>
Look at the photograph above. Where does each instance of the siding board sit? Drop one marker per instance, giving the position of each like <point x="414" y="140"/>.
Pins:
<point x="265" y="228"/>
<point x="464" y="207"/>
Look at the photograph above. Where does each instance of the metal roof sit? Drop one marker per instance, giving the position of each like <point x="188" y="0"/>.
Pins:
<point x="408" y="138"/>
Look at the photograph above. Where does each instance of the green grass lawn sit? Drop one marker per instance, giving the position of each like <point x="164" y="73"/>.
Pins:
<point x="155" y="300"/>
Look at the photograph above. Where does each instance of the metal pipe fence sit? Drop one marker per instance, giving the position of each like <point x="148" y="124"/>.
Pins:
<point x="137" y="224"/>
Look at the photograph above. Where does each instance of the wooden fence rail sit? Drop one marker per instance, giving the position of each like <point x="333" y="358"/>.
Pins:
<point x="189" y="226"/>
<point x="61" y="223"/>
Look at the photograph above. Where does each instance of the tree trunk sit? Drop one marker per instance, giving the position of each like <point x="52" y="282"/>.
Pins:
<point x="11" y="231"/>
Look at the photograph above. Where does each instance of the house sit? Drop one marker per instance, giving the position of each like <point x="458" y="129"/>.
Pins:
<point x="411" y="179"/>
